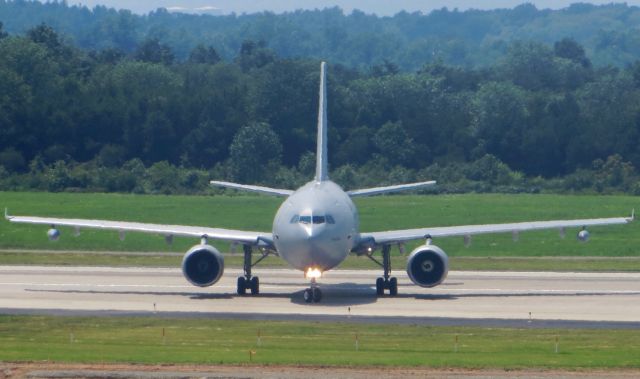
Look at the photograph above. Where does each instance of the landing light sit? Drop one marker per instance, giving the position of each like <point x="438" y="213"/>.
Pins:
<point x="313" y="273"/>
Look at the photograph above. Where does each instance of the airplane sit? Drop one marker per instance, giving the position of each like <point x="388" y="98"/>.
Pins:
<point x="315" y="229"/>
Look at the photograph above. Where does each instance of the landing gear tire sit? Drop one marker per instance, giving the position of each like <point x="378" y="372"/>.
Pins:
<point x="248" y="281"/>
<point x="312" y="295"/>
<point x="380" y="286"/>
<point x="386" y="282"/>
<point x="255" y="285"/>
<point x="393" y="286"/>
<point x="242" y="285"/>
<point x="308" y="295"/>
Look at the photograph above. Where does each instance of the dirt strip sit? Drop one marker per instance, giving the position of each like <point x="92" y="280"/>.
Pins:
<point x="117" y="371"/>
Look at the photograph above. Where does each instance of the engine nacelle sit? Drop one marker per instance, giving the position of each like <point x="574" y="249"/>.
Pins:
<point x="583" y="235"/>
<point x="428" y="265"/>
<point x="53" y="234"/>
<point x="203" y="265"/>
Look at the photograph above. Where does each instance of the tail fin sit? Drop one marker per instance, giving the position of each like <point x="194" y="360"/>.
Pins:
<point x="322" y="167"/>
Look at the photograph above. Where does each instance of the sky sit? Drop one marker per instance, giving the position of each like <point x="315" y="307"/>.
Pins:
<point x="379" y="7"/>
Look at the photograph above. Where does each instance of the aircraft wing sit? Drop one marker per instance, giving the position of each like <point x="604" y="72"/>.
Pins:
<point x="397" y="236"/>
<point x="239" y="236"/>
<point x="390" y="189"/>
<point x="250" y="188"/>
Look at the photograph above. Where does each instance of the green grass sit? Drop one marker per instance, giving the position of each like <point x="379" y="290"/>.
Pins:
<point x="140" y="340"/>
<point x="591" y="264"/>
<point x="376" y="213"/>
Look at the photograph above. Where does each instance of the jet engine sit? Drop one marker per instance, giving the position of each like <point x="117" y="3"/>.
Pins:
<point x="202" y="265"/>
<point x="428" y="265"/>
<point x="583" y="235"/>
<point x="53" y="234"/>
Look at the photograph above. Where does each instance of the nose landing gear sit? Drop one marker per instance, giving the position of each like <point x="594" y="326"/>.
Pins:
<point x="313" y="293"/>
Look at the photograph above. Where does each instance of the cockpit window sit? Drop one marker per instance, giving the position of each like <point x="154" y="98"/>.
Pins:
<point x="312" y="219"/>
<point x="305" y="219"/>
<point x="318" y="219"/>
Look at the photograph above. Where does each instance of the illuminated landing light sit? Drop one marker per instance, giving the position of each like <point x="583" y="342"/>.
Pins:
<point x="313" y="273"/>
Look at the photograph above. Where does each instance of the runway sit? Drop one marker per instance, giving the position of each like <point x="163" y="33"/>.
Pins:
<point x="491" y="298"/>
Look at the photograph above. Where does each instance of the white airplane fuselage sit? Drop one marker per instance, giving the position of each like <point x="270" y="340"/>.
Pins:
<point x="316" y="227"/>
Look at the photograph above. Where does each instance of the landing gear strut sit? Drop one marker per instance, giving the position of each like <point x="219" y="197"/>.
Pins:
<point x="386" y="282"/>
<point x="313" y="293"/>
<point x="248" y="282"/>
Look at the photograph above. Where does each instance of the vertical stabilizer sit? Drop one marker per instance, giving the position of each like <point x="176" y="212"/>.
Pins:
<point x="322" y="173"/>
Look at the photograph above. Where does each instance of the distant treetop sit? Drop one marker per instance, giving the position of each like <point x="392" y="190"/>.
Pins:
<point x="474" y="38"/>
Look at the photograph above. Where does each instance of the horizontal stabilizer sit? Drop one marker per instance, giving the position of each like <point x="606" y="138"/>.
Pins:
<point x="389" y="189"/>
<point x="249" y="188"/>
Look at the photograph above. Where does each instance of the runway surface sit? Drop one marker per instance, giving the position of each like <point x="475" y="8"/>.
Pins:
<point x="491" y="298"/>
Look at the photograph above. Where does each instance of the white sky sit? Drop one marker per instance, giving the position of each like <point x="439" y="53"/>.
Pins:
<point x="380" y="7"/>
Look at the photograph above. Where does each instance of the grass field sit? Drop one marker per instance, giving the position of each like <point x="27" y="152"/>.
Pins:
<point x="376" y="213"/>
<point x="159" y="340"/>
<point x="162" y="340"/>
<point x="573" y="264"/>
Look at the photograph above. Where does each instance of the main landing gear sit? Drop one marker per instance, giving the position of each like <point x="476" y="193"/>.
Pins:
<point x="249" y="282"/>
<point x="386" y="282"/>
<point x="313" y="293"/>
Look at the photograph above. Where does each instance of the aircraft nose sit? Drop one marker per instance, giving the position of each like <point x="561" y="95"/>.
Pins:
<point x="314" y="232"/>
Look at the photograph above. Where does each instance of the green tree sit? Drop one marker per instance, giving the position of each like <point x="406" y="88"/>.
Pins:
<point x="204" y="55"/>
<point x="109" y="55"/>
<point x="491" y="170"/>
<point x="635" y="71"/>
<point x="159" y="137"/>
<point x="394" y="143"/>
<point x="152" y="51"/>
<point x="200" y="145"/>
<point x="285" y="96"/>
<point x="500" y="119"/>
<point x="12" y="160"/>
<point x="530" y="65"/>
<point x="357" y="147"/>
<point x="162" y="178"/>
<point x="254" y="55"/>
<point x="3" y="34"/>
<point x="45" y="35"/>
<point x="253" y="148"/>
<point x="111" y="155"/>
<point x="214" y="104"/>
<point x="614" y="173"/>
<point x="568" y="48"/>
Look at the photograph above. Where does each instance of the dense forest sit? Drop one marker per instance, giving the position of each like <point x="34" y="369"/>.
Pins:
<point x="609" y="33"/>
<point x="543" y="117"/>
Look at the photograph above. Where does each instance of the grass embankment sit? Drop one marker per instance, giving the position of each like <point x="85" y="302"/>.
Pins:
<point x="570" y="264"/>
<point x="159" y="340"/>
<point x="376" y="213"/>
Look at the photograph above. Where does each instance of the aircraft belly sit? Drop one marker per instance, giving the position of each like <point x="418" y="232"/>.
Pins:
<point x="324" y="257"/>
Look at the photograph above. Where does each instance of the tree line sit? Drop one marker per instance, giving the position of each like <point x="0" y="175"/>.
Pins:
<point x="471" y="38"/>
<point x="542" y="118"/>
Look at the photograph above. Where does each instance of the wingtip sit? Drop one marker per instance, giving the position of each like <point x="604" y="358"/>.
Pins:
<point x="6" y="214"/>
<point x="633" y="215"/>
